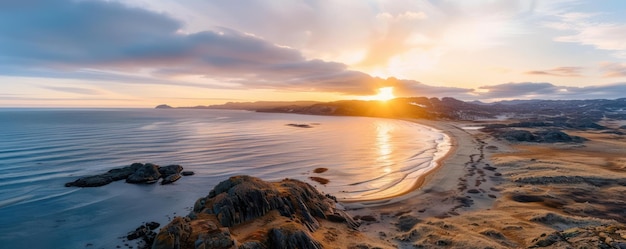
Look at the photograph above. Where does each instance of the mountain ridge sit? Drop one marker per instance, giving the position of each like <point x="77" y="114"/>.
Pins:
<point x="446" y="108"/>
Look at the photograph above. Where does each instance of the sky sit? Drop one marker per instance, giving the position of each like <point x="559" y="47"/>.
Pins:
<point x="141" y="53"/>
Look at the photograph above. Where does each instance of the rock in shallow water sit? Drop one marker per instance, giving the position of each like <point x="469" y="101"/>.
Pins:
<point x="170" y="179"/>
<point x="170" y="170"/>
<point x="135" y="173"/>
<point x="145" y="233"/>
<point x="91" y="181"/>
<point x="148" y="173"/>
<point x="106" y="178"/>
<point x="188" y="173"/>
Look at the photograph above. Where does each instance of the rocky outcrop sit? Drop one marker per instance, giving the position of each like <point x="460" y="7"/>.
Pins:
<point x="543" y="136"/>
<point x="244" y="199"/>
<point x="144" y="232"/>
<point x="291" y="237"/>
<point x="170" y="179"/>
<point x="106" y="178"/>
<point x="135" y="173"/>
<point x="518" y="136"/>
<point x="556" y="136"/>
<point x="148" y="173"/>
<point x="170" y="170"/>
<point x="174" y="235"/>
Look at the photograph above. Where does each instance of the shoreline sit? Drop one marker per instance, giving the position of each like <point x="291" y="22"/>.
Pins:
<point x="498" y="194"/>
<point x="451" y="153"/>
<point x="488" y="193"/>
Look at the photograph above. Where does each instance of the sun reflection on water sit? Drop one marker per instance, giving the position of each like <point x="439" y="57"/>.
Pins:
<point x="383" y="144"/>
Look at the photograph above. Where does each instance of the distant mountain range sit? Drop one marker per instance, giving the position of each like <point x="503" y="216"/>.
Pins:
<point x="574" y="112"/>
<point x="251" y="106"/>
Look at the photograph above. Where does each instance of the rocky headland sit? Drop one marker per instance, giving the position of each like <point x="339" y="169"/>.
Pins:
<point x="247" y="212"/>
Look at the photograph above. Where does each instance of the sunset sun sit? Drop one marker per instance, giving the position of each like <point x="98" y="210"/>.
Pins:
<point x="384" y="94"/>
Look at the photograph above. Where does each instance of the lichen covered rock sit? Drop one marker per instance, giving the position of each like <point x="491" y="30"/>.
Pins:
<point x="242" y="199"/>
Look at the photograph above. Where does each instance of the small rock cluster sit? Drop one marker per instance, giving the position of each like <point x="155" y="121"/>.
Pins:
<point x="607" y="236"/>
<point x="244" y="198"/>
<point x="135" y="173"/>
<point x="144" y="232"/>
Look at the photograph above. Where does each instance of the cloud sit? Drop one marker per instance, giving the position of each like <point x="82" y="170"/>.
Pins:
<point x="107" y="41"/>
<point x="532" y="90"/>
<point x="559" y="71"/>
<point x="374" y="36"/>
<point x="613" y="69"/>
<point x="591" y="29"/>
<point x="415" y="88"/>
<point x="73" y="33"/>
<point x="77" y="90"/>
<point x="519" y="90"/>
<point x="69" y="39"/>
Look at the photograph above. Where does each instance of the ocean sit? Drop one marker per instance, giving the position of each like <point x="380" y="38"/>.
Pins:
<point x="42" y="149"/>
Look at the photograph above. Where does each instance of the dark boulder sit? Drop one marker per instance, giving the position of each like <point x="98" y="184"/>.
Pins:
<point x="145" y="233"/>
<point x="91" y="181"/>
<point x="188" y="173"/>
<point x="125" y="172"/>
<point x="106" y="178"/>
<point x="170" y="179"/>
<point x="170" y="170"/>
<point x="148" y="173"/>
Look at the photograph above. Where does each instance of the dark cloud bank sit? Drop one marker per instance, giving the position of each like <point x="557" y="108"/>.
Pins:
<point x="60" y="39"/>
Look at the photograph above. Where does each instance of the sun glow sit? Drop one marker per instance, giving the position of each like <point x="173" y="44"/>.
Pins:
<point x="384" y="94"/>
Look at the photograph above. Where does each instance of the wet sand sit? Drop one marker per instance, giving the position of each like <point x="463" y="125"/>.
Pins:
<point x="494" y="194"/>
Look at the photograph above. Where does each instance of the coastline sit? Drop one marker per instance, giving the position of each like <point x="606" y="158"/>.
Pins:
<point x="452" y="141"/>
<point x="497" y="194"/>
<point x="489" y="193"/>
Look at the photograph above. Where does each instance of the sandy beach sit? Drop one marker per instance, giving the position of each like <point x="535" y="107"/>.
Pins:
<point x="490" y="193"/>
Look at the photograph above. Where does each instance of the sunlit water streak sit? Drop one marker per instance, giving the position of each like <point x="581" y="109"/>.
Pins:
<point x="40" y="150"/>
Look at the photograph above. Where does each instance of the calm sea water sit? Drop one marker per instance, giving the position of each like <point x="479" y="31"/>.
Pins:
<point x="41" y="149"/>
